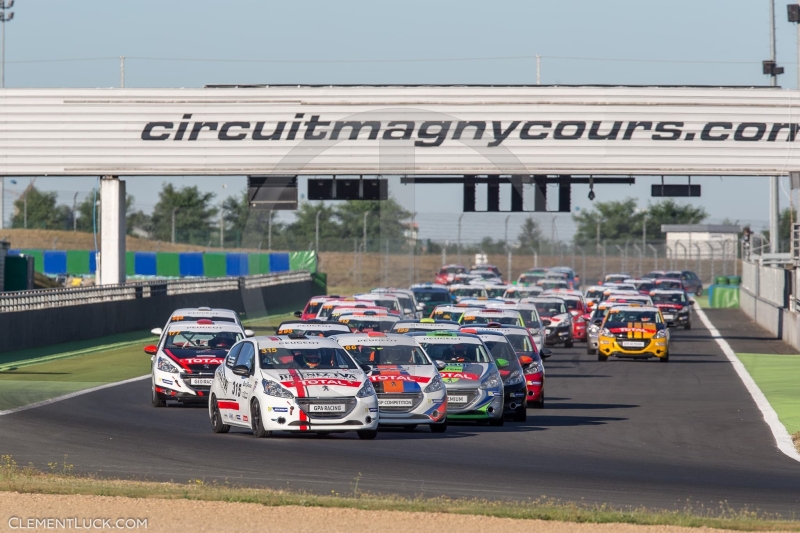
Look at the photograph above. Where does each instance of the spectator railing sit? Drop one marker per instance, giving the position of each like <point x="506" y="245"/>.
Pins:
<point x="69" y="296"/>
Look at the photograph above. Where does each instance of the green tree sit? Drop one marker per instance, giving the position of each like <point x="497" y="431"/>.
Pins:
<point x="303" y="229"/>
<point x="41" y="211"/>
<point x="620" y="220"/>
<point x="785" y="219"/>
<point x="246" y="227"/>
<point x="531" y="235"/>
<point x="134" y="219"/>
<point x="385" y="220"/>
<point x="194" y="217"/>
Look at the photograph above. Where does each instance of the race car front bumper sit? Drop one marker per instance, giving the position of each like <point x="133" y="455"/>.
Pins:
<point x="535" y="386"/>
<point x="481" y="404"/>
<point x="610" y="347"/>
<point x="282" y="414"/>
<point x="515" y="398"/>
<point x="431" y="408"/>
<point x="676" y="319"/>
<point x="170" y="386"/>
<point x="558" y="335"/>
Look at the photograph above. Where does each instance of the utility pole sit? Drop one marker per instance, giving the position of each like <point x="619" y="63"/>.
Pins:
<point x="538" y="69"/>
<point x="74" y="212"/>
<point x="365" y="231"/>
<point x="459" y="237"/>
<point x="3" y="19"/>
<point x="174" y="210"/>
<point x="316" y="233"/>
<point x="122" y="72"/>
<point x="599" y="220"/>
<point x="771" y="67"/>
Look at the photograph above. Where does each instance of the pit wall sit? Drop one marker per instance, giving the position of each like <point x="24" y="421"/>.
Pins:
<point x="769" y="295"/>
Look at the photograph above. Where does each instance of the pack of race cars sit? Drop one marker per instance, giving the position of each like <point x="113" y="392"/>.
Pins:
<point x="422" y="356"/>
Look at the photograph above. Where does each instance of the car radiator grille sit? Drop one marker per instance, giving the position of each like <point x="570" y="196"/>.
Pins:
<point x="305" y="405"/>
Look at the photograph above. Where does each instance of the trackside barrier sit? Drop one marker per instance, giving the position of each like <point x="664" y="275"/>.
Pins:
<point x="44" y="317"/>
<point x="764" y="296"/>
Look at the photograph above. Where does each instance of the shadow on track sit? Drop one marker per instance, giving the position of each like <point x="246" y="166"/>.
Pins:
<point x="568" y="406"/>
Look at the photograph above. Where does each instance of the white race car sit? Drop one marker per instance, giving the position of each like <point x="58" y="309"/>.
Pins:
<point x="410" y="390"/>
<point x="292" y="383"/>
<point x="186" y="357"/>
<point x="192" y="314"/>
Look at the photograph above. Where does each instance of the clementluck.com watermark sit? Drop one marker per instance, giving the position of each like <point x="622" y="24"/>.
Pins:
<point x="20" y="523"/>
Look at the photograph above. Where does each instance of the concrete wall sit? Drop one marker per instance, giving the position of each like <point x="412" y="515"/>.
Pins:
<point x="44" y="327"/>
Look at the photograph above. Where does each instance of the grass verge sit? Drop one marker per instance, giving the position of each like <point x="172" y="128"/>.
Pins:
<point x="61" y="480"/>
<point x="776" y="376"/>
<point x="702" y="301"/>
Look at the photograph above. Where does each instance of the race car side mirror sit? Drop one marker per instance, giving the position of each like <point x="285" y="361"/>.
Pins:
<point x="241" y="370"/>
<point x="298" y="314"/>
<point x="545" y="353"/>
<point x="524" y="360"/>
<point x="249" y="333"/>
<point x="545" y="322"/>
<point x="420" y="307"/>
<point x="441" y="365"/>
<point x="157" y="331"/>
<point x="151" y="349"/>
<point x="366" y="368"/>
<point x="408" y="311"/>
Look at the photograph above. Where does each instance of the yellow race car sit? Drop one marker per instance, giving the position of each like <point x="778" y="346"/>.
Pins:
<point x="633" y="332"/>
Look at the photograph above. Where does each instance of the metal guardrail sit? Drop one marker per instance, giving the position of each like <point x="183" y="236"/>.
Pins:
<point x="68" y="296"/>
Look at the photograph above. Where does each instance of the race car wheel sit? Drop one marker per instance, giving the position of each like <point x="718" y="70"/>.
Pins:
<point x="590" y="351"/>
<point x="497" y="422"/>
<point x="258" y="421"/>
<point x="157" y="400"/>
<point x="367" y="434"/>
<point x="699" y="291"/>
<point x="410" y="428"/>
<point x="601" y="357"/>
<point x="521" y="414"/>
<point x="439" y="428"/>
<point x="665" y="359"/>
<point x="688" y="325"/>
<point x="539" y="404"/>
<point x="569" y="344"/>
<point x="216" y="419"/>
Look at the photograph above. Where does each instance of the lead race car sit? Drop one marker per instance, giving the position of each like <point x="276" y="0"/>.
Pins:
<point x="295" y="384"/>
<point x="186" y="357"/>
<point x="473" y="382"/>
<point x="410" y="390"/>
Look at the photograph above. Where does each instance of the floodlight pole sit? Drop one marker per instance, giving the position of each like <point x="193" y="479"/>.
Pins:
<point x="3" y="19"/>
<point x="774" y="181"/>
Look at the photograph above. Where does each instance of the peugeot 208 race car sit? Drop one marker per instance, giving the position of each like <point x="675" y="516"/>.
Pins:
<point x="635" y="333"/>
<point x="515" y="402"/>
<point x="675" y="307"/>
<point x="510" y="317"/>
<point x="184" y="361"/>
<point x="473" y="382"/>
<point x="292" y="383"/>
<point x="410" y="390"/>
<point x="312" y="328"/>
<point x="424" y="324"/>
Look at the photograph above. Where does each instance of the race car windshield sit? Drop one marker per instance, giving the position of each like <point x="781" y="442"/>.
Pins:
<point x="495" y="293"/>
<point x="594" y="294"/>
<point x="500" y="349"/>
<point x="468" y="291"/>
<point x="520" y="343"/>
<point x="452" y="270"/>
<point x="669" y="284"/>
<point x="387" y="355"/>
<point x="571" y="304"/>
<point x="391" y="305"/>
<point x="313" y="308"/>
<point x="528" y="317"/>
<point x="426" y="296"/>
<point x="501" y="319"/>
<point x="457" y="353"/>
<point x="366" y="324"/>
<point x="548" y="309"/>
<point x="283" y="358"/>
<point x="455" y="316"/>
<point x="677" y="298"/>
<point x="625" y="317"/>
<point x="201" y="340"/>
<point x="530" y="278"/>
<point x="192" y="318"/>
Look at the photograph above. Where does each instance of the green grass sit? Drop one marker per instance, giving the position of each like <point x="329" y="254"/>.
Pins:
<point x="30" y="376"/>
<point x="702" y="301"/>
<point x="776" y="376"/>
<point x="61" y="480"/>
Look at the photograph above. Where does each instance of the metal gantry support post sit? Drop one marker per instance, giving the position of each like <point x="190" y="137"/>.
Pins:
<point x="655" y="256"/>
<point x="111" y="263"/>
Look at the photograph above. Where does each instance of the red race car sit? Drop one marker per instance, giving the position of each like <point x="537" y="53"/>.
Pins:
<point x="312" y="307"/>
<point x="447" y="274"/>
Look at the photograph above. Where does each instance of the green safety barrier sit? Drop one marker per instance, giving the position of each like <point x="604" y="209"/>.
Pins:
<point x="723" y="296"/>
<point x="38" y="259"/>
<point x="258" y="263"/>
<point x="168" y="265"/>
<point x="214" y="265"/>
<point x="130" y="263"/>
<point x="721" y="280"/>
<point x="78" y="262"/>
<point x="306" y="260"/>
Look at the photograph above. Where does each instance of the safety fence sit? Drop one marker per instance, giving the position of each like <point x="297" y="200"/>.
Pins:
<point x="173" y="264"/>
<point x="769" y="295"/>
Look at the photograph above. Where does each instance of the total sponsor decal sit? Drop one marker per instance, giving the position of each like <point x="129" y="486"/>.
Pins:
<point x="323" y="382"/>
<point x="633" y="330"/>
<point x="203" y="360"/>
<point x="453" y="373"/>
<point x="399" y="377"/>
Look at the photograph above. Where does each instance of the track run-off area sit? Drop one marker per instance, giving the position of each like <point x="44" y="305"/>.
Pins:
<point x="625" y="433"/>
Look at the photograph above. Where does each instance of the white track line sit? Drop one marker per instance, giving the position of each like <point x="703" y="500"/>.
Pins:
<point x="782" y="438"/>
<point x="71" y="395"/>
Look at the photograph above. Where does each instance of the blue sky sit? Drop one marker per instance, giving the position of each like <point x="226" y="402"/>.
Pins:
<point x="703" y="42"/>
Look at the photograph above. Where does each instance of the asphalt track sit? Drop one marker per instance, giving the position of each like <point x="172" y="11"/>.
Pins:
<point x="627" y="433"/>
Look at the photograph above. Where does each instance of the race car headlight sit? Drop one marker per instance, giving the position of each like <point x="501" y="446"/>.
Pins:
<point x="661" y="334"/>
<point x="533" y="368"/>
<point x="366" y="391"/>
<point x="594" y="328"/>
<point x="435" y="384"/>
<point x="492" y="381"/>
<point x="605" y="332"/>
<point x="274" y="389"/>
<point x="683" y="310"/>
<point x="166" y="366"/>
<point x="533" y="331"/>
<point x="514" y="378"/>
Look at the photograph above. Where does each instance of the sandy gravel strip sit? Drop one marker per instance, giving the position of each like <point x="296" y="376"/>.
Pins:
<point x="192" y="515"/>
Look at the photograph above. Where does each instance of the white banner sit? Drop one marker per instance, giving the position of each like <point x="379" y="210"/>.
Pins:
<point x="399" y="130"/>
